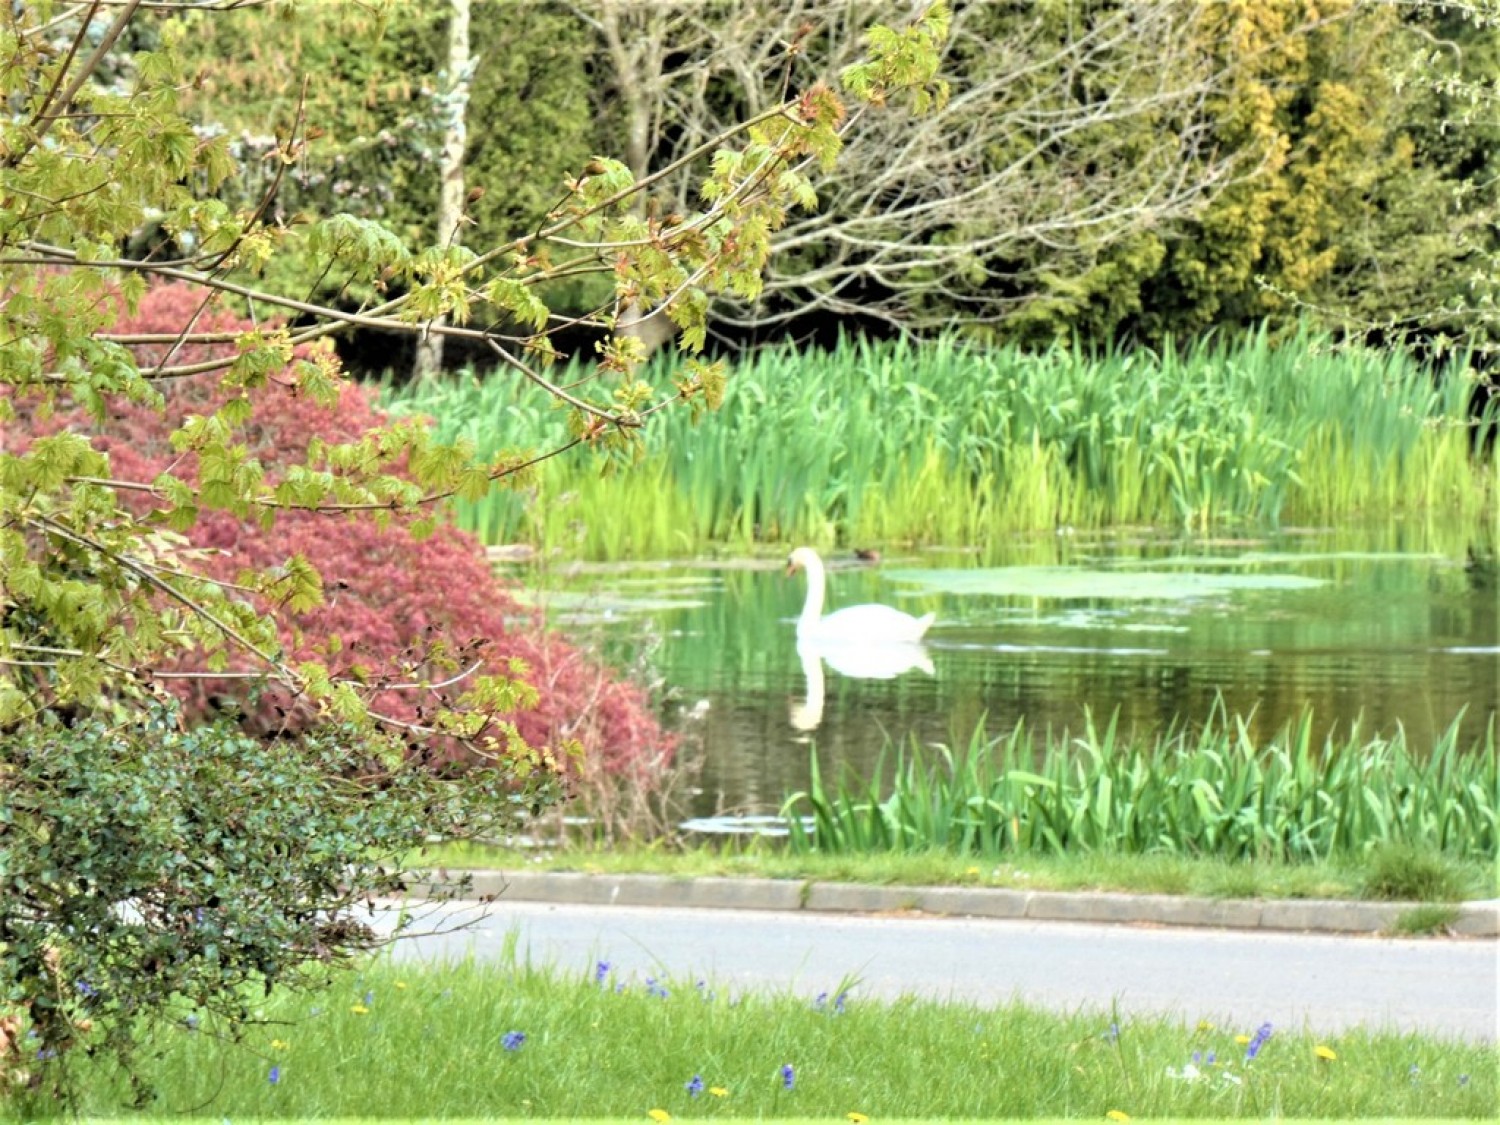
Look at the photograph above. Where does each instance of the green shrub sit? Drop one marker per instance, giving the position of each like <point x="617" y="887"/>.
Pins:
<point x="150" y="876"/>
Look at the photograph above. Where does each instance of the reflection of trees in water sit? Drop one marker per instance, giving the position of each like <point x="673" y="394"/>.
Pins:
<point x="1385" y="641"/>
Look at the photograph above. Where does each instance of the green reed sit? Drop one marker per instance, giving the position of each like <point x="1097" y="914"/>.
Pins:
<point x="1217" y="791"/>
<point x="949" y="443"/>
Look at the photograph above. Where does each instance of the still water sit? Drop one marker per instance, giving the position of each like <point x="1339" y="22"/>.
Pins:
<point x="1379" y="629"/>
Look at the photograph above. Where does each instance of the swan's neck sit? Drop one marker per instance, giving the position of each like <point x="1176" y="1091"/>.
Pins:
<point x="812" y="609"/>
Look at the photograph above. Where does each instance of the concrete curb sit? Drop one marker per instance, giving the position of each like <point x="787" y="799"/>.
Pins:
<point x="1475" y="919"/>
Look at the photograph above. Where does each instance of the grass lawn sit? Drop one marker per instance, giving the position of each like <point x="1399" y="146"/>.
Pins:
<point x="509" y="1041"/>
<point x="1394" y="875"/>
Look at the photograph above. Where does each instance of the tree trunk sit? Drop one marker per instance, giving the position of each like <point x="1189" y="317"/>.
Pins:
<point x="451" y="167"/>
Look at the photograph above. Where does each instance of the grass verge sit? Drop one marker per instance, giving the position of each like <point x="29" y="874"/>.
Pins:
<point x="1142" y="874"/>
<point x="515" y="1041"/>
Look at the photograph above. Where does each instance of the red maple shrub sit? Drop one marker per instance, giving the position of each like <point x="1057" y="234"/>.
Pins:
<point x="389" y="598"/>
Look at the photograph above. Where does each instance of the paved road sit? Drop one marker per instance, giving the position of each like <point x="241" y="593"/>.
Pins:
<point x="1231" y="978"/>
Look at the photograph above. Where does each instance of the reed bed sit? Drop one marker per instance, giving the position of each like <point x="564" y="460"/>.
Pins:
<point x="1214" y="792"/>
<point x="945" y="442"/>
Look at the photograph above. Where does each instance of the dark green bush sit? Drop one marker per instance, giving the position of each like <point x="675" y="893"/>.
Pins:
<point x="150" y="875"/>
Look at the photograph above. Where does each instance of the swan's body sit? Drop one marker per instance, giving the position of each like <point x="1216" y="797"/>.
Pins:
<point x="856" y="624"/>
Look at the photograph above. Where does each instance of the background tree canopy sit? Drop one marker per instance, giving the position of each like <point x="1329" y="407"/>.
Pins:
<point x="1102" y="171"/>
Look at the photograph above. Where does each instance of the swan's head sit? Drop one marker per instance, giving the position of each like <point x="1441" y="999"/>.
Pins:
<point x="799" y="559"/>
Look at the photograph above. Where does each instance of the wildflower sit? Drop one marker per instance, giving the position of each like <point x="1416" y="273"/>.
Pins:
<point x="401" y="984"/>
<point x="655" y="988"/>
<point x="721" y="1092"/>
<point x="87" y="990"/>
<point x="1326" y="1053"/>
<point x="275" y="1075"/>
<point x="601" y="971"/>
<point x="369" y="999"/>
<point x="820" y="1001"/>
<point x="788" y="1076"/>
<point x="1117" y="1115"/>
<point x="659" y="1115"/>
<point x="971" y="871"/>
<point x="695" y="1087"/>
<point x="359" y="1009"/>
<point x="1211" y="1059"/>
<point x="1113" y="1033"/>
<point x="857" y="1118"/>
<point x="512" y="1040"/>
<point x="838" y="1003"/>
<point x="1242" y="1039"/>
<point x="1262" y="1033"/>
<point x="279" y="1044"/>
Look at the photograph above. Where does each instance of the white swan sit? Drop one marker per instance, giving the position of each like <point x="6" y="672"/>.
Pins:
<point x="856" y="624"/>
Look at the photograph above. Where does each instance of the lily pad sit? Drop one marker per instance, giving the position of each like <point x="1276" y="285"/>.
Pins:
<point x="1278" y="558"/>
<point x="1073" y="583"/>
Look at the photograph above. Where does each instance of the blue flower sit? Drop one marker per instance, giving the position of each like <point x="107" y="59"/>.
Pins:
<point x="788" y="1076"/>
<point x="369" y="999"/>
<point x="1212" y="1058"/>
<point x="820" y="1001"/>
<point x="838" y="1003"/>
<point x="601" y="970"/>
<point x="1262" y="1033"/>
<point x="695" y="1087"/>
<point x="275" y="1075"/>
<point x="86" y="989"/>
<point x="1112" y="1033"/>
<point x="653" y="988"/>
<point x="512" y="1040"/>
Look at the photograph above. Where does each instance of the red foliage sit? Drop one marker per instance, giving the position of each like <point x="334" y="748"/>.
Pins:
<point x="387" y="596"/>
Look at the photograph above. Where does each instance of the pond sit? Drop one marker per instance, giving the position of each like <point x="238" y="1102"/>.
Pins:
<point x="1379" y="629"/>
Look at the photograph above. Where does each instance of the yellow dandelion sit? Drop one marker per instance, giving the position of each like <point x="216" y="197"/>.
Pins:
<point x="400" y="984"/>
<point x="971" y="871"/>
<point x="718" y="1091"/>
<point x="857" y="1118"/>
<point x="279" y="1044"/>
<point x="359" y="1009"/>
<point x="659" y="1115"/>
<point x="1204" y="1025"/>
<point x="1117" y="1115"/>
<point x="1242" y="1039"/>
<point x="1325" y="1052"/>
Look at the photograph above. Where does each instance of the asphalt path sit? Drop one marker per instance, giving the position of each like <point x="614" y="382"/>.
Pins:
<point x="1231" y="978"/>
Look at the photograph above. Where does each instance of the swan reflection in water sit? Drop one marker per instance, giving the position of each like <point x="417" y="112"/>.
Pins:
<point x="863" y="642"/>
<point x="880" y="661"/>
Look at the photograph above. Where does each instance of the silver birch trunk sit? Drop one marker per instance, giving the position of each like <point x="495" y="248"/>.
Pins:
<point x="451" y="167"/>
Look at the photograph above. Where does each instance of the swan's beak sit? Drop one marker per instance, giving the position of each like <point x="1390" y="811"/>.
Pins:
<point x="791" y="568"/>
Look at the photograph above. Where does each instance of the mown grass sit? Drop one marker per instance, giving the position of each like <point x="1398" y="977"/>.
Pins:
<point x="402" y="1042"/>
<point x="1216" y="791"/>
<point x="1160" y="873"/>
<point x="949" y="443"/>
